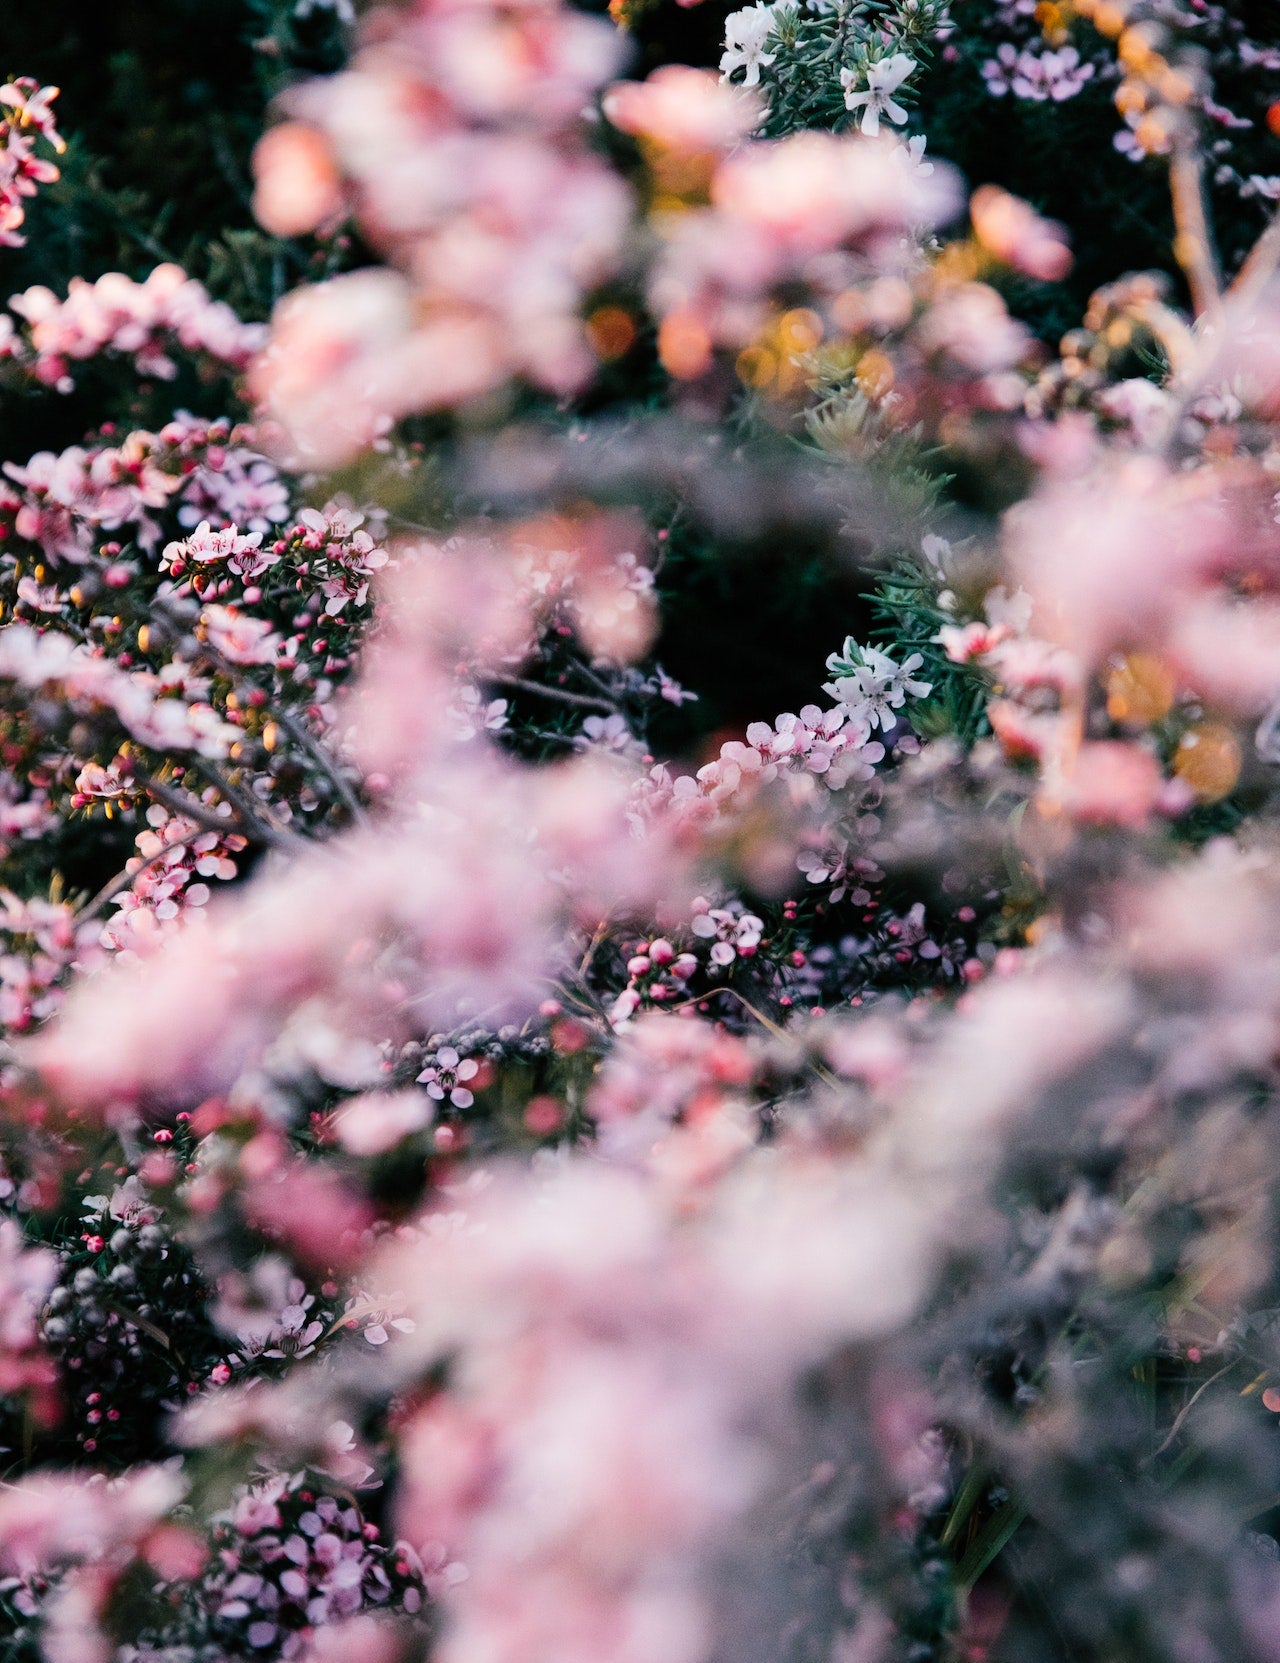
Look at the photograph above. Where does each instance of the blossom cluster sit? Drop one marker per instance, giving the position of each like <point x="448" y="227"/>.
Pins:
<point x="27" y="119"/>
<point x="144" y="321"/>
<point x="859" y="68"/>
<point x="495" y="219"/>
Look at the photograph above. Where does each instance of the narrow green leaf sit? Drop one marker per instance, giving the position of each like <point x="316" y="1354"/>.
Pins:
<point x="990" y="1543"/>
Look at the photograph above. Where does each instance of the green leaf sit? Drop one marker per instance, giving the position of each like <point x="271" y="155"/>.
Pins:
<point x="990" y="1542"/>
<point x="967" y="1498"/>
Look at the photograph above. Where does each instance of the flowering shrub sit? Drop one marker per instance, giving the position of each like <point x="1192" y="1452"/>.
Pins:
<point x="639" y="1001"/>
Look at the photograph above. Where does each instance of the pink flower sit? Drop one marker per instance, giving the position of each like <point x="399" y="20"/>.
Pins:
<point x="30" y="105"/>
<point x="238" y="636"/>
<point x="297" y="186"/>
<point x="1014" y="233"/>
<point x="446" y="1076"/>
<point x="376" y="1121"/>
<point x="820" y="190"/>
<point x="347" y="354"/>
<point x="687" y="110"/>
<point x="257" y="1511"/>
<point x="142" y="320"/>
<point x="1112" y="782"/>
<point x="965" y="643"/>
<point x="242" y="552"/>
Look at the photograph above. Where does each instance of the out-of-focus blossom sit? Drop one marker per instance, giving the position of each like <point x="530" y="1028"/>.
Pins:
<point x="449" y="138"/>
<point x="377" y="1121"/>
<point x="1113" y="782"/>
<point x="347" y="357"/>
<point x="683" y="109"/>
<point x="297" y="188"/>
<point x="1014" y="233"/>
<point x="1037" y="76"/>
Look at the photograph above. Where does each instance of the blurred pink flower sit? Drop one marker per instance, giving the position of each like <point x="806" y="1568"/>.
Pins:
<point x="688" y="110"/>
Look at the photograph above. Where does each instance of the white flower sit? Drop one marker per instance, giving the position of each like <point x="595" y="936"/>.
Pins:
<point x="343" y="10"/>
<point x="917" y="165"/>
<point x="609" y="733"/>
<point x="872" y="688"/>
<point x="745" y="34"/>
<point x="883" y="80"/>
<point x="129" y="1203"/>
<point x="377" y="1334"/>
<point x="473" y="715"/>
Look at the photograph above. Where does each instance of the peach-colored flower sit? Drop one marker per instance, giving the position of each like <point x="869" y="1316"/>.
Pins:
<point x="1112" y="782"/>
<point x="349" y="357"/>
<point x="683" y="109"/>
<point x="1012" y="231"/>
<point x="297" y="185"/>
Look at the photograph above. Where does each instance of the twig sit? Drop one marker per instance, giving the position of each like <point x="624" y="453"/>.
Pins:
<point x="296" y="730"/>
<point x="561" y="695"/>
<point x="589" y="674"/>
<point x="1192" y="242"/>
<point x="253" y="814"/>
<point x="1188" y="1406"/>
<point x="190" y="807"/>
<point x="601" y="930"/>
<point x="110" y="890"/>
<point x="1260" y="266"/>
<point x="181" y="802"/>
<point x="298" y="733"/>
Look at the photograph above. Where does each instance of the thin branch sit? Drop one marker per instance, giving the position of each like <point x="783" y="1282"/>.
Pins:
<point x="1193" y="243"/>
<point x="190" y="808"/>
<point x="296" y="730"/>
<point x="589" y="674"/>
<point x="1189" y="1406"/>
<point x="1260" y="266"/>
<point x="560" y="695"/>
<point x="110" y="890"/>
<point x="254" y="815"/>
<point x="601" y="930"/>
<point x="298" y="733"/>
<point x="181" y="802"/>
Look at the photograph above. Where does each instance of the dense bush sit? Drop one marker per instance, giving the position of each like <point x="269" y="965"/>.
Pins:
<point x="639" y="702"/>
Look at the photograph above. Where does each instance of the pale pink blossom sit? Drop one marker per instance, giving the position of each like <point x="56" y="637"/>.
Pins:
<point x="683" y="109"/>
